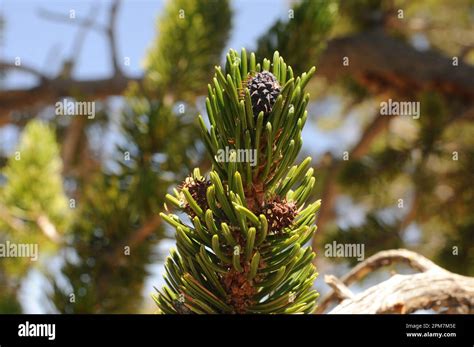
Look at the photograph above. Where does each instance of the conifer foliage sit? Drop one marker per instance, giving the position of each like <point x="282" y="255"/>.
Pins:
<point x="241" y="248"/>
<point x="36" y="160"/>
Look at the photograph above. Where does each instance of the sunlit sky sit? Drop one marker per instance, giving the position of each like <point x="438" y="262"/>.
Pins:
<point x="43" y="43"/>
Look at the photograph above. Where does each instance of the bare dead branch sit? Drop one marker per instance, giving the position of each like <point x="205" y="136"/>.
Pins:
<point x="60" y="17"/>
<point x="4" y="65"/>
<point x="49" y="92"/>
<point x="340" y="289"/>
<point x="379" y="260"/>
<point x="81" y="36"/>
<point x="90" y="23"/>
<point x="441" y="291"/>
<point x="112" y="39"/>
<point x="374" y="61"/>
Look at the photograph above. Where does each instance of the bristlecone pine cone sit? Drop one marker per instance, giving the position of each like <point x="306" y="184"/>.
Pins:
<point x="280" y="214"/>
<point x="197" y="188"/>
<point x="264" y="90"/>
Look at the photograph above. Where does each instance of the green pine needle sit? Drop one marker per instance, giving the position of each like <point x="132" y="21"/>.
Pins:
<point x="235" y="257"/>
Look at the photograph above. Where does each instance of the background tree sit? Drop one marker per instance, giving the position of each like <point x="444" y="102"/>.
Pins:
<point x="33" y="205"/>
<point x="112" y="264"/>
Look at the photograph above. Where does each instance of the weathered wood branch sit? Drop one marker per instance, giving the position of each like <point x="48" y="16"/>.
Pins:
<point x="340" y="289"/>
<point x="441" y="291"/>
<point x="433" y="288"/>
<point x="378" y="260"/>
<point x="112" y="40"/>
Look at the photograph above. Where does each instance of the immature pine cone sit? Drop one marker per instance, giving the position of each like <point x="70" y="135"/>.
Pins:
<point x="279" y="213"/>
<point x="197" y="188"/>
<point x="264" y="90"/>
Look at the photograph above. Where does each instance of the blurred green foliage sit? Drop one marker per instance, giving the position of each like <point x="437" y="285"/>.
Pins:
<point x="33" y="189"/>
<point x="302" y="36"/>
<point x="158" y="149"/>
<point x="101" y="271"/>
<point x="34" y="182"/>
<point x="191" y="35"/>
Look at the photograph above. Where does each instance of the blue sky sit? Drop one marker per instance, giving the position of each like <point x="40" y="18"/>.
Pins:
<point x="43" y="43"/>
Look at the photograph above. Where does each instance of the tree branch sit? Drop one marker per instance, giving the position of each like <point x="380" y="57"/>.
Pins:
<point x="379" y="260"/>
<point x="60" y="17"/>
<point x="111" y="38"/>
<point x="442" y="291"/>
<point x="4" y="65"/>
<point x="146" y="230"/>
<point x="382" y="62"/>
<point x="340" y="289"/>
<point x="51" y="89"/>
<point x="135" y="239"/>
<point x="375" y="61"/>
<point x="49" y="92"/>
<point x="48" y="229"/>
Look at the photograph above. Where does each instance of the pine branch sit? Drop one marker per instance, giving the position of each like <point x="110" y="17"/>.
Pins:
<point x="43" y="205"/>
<point x="244" y="250"/>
